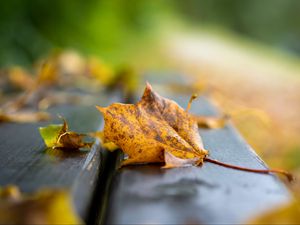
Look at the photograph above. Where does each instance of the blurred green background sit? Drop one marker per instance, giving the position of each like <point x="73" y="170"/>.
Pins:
<point x="116" y="29"/>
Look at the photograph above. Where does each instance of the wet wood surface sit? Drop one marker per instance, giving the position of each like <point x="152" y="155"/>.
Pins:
<point x="26" y="162"/>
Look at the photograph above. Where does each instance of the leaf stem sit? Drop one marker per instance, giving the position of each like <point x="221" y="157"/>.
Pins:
<point x="288" y="175"/>
<point x="192" y="98"/>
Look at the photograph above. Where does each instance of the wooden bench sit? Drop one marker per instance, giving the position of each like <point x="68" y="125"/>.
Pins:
<point x="146" y="194"/>
<point x="27" y="163"/>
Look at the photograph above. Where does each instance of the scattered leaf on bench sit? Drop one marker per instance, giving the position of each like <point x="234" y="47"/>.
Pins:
<point x="24" y="117"/>
<point x="10" y="192"/>
<point x="48" y="74"/>
<point x="59" y="136"/>
<point x="144" y="131"/>
<point x="47" y="206"/>
<point x="157" y="129"/>
<point x="19" y="78"/>
<point x="99" y="71"/>
<point x="211" y="122"/>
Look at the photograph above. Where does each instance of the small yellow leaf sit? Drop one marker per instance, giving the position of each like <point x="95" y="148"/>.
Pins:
<point x="47" y="206"/>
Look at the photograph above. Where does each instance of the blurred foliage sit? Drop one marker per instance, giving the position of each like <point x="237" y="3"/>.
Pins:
<point x="30" y="28"/>
<point x="274" y="22"/>
<point x="114" y="29"/>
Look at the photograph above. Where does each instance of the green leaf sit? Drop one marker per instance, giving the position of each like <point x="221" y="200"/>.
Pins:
<point x="51" y="133"/>
<point x="59" y="136"/>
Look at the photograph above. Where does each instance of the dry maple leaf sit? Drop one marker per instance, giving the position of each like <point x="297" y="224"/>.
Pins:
<point x="151" y="127"/>
<point x="157" y="129"/>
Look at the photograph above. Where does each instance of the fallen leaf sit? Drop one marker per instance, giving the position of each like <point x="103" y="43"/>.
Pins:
<point x="51" y="133"/>
<point x="125" y="79"/>
<point x="10" y="192"/>
<point x="48" y="74"/>
<point x="101" y="72"/>
<point x="157" y="129"/>
<point x="60" y="98"/>
<point x="59" y="136"/>
<point x="211" y="122"/>
<point x="46" y="206"/>
<point x="24" y="117"/>
<point x="20" y="78"/>
<point x="145" y="130"/>
<point x="36" y="89"/>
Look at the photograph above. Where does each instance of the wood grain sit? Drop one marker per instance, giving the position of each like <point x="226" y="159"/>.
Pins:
<point x="27" y="163"/>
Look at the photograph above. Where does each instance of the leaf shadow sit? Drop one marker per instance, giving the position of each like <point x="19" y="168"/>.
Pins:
<point x="65" y="153"/>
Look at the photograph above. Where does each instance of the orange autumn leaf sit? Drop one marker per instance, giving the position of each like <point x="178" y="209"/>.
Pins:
<point x="145" y="131"/>
<point x="157" y="129"/>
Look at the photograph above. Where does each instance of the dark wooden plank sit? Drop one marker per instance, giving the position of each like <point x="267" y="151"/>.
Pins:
<point x="25" y="161"/>
<point x="210" y="194"/>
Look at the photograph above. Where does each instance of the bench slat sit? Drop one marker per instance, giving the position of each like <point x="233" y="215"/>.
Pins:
<point x="25" y="162"/>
